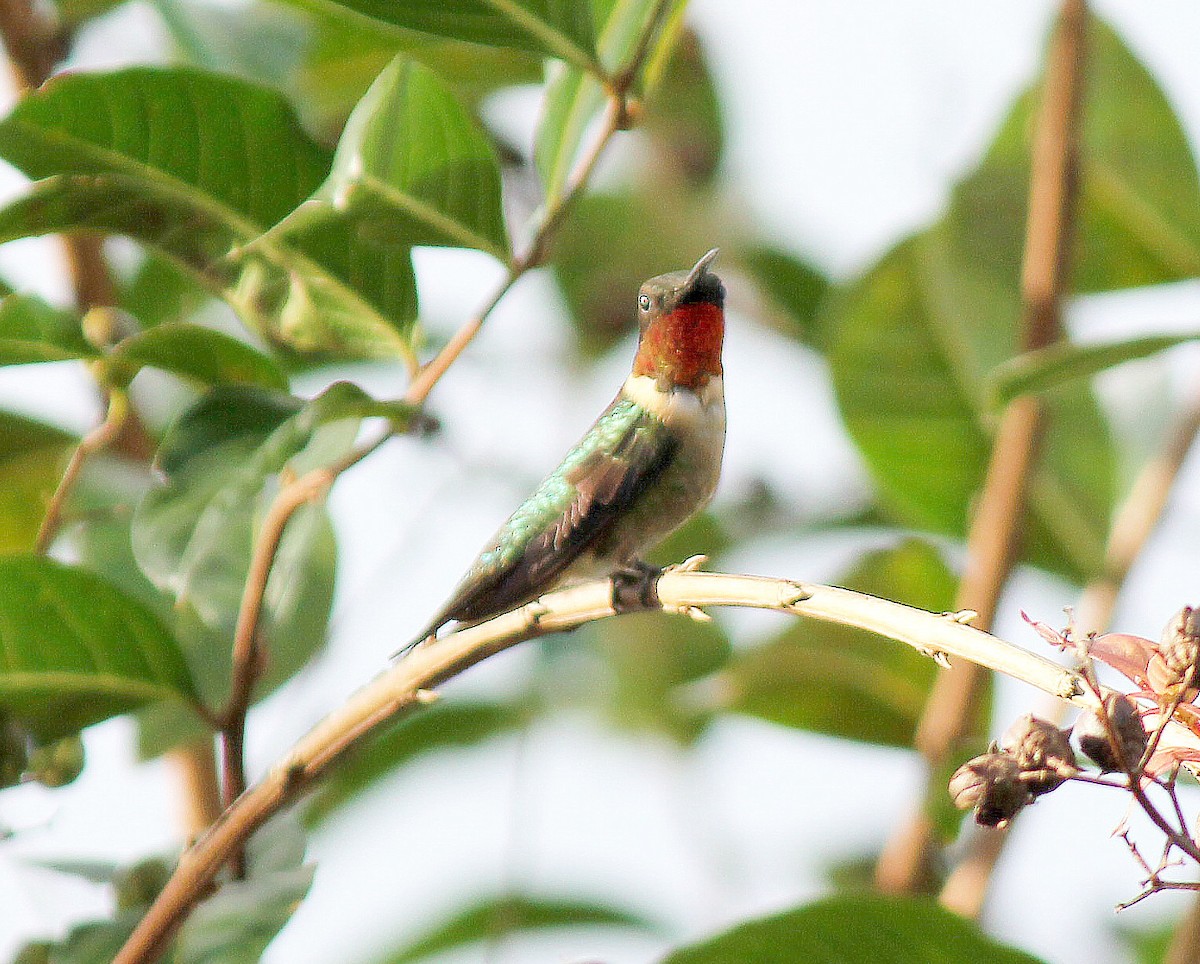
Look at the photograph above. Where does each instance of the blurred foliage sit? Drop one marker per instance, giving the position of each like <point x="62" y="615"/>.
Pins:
<point x="900" y="930"/>
<point x="287" y="159"/>
<point x="507" y="916"/>
<point x="809" y="675"/>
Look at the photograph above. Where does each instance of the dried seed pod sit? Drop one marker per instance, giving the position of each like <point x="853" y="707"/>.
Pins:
<point x="1042" y="751"/>
<point x="1177" y="664"/>
<point x="1127" y="726"/>
<point x="990" y="784"/>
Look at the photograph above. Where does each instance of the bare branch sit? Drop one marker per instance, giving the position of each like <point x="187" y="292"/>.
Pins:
<point x="407" y="684"/>
<point x="994" y="535"/>
<point x="98" y="438"/>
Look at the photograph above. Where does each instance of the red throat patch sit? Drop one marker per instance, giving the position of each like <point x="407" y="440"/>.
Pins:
<point x="683" y="347"/>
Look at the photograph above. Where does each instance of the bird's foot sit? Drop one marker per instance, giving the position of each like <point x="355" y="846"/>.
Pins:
<point x="635" y="587"/>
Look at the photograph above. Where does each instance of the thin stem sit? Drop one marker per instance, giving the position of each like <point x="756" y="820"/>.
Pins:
<point x="552" y="218"/>
<point x="406" y="685"/>
<point x="616" y="118"/>
<point x="994" y="535"/>
<point x="247" y="656"/>
<point x="98" y="438"/>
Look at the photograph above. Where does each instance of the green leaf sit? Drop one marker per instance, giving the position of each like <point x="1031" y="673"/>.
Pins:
<point x="922" y="331"/>
<point x="324" y="57"/>
<point x="794" y="288"/>
<point x="855" y="929"/>
<point x="202" y="354"/>
<point x="575" y="96"/>
<point x="236" y="924"/>
<point x="75" y="650"/>
<point x="505" y="915"/>
<point x="159" y="290"/>
<point x="641" y="233"/>
<point x="412" y="167"/>
<point x="843" y="681"/>
<point x="193" y="535"/>
<point x="557" y="28"/>
<point x="1048" y="368"/>
<point x="913" y="341"/>
<point x="683" y="117"/>
<point x="650" y="657"/>
<point x="443" y="726"/>
<point x="33" y="331"/>
<point x="198" y="166"/>
<point x="92" y="942"/>
<point x="32" y="457"/>
<point x="1139" y="219"/>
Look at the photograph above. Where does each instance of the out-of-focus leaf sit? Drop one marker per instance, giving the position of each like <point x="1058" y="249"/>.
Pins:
<point x="925" y="327"/>
<point x="33" y="331"/>
<point x="93" y="942"/>
<point x="75" y="12"/>
<point x="842" y="681"/>
<point x="193" y="536"/>
<point x="551" y="27"/>
<point x="1048" y="368"/>
<point x="324" y="57"/>
<point x="74" y="650"/>
<point x="57" y="764"/>
<point x="198" y="166"/>
<point x="614" y="242"/>
<point x="32" y="456"/>
<point x="202" y="354"/>
<point x="97" y="942"/>
<point x="702" y="534"/>
<point x="1150" y="944"/>
<point x="499" y="916"/>
<point x="299" y="597"/>
<point x="855" y="929"/>
<point x="159" y="290"/>
<point x="683" y="117"/>
<point x="442" y="726"/>
<point x="236" y="924"/>
<point x="650" y="656"/>
<point x="1139" y="220"/>
<point x="412" y="167"/>
<point x="795" y="288"/>
<point x="912" y="343"/>
<point x="574" y="96"/>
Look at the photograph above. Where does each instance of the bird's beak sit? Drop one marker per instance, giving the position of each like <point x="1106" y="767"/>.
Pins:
<point x="698" y="272"/>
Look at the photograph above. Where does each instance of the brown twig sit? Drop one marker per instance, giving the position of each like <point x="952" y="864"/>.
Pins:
<point x="407" y="683"/>
<point x="1133" y="523"/>
<point x="95" y="440"/>
<point x="247" y="656"/>
<point x="431" y="373"/>
<point x="993" y="539"/>
<point x="616" y="118"/>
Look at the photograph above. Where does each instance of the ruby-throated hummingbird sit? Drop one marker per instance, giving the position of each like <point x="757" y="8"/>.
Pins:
<point x="646" y="465"/>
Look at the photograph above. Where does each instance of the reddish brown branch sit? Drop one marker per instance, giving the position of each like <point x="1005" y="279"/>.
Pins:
<point x="993" y="539"/>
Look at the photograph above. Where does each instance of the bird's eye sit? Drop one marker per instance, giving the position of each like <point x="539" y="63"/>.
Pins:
<point x="644" y="302"/>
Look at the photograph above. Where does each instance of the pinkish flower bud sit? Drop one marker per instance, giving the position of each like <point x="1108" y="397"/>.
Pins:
<point x="1042" y="751"/>
<point x="990" y="784"/>
<point x="1126" y="723"/>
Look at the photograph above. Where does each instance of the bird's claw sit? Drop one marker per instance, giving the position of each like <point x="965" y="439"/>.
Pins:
<point x="635" y="587"/>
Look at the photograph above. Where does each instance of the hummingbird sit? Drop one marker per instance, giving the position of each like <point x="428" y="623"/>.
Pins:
<point x="647" y="464"/>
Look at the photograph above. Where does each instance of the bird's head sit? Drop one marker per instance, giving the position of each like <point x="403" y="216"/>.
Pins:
<point x="682" y="320"/>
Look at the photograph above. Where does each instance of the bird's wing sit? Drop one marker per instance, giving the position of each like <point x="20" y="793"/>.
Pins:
<point x="623" y="453"/>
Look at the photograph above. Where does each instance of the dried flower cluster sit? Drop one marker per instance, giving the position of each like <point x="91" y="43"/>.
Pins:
<point x="1127" y="734"/>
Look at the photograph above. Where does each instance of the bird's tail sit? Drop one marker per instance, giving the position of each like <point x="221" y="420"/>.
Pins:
<point x="427" y="636"/>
